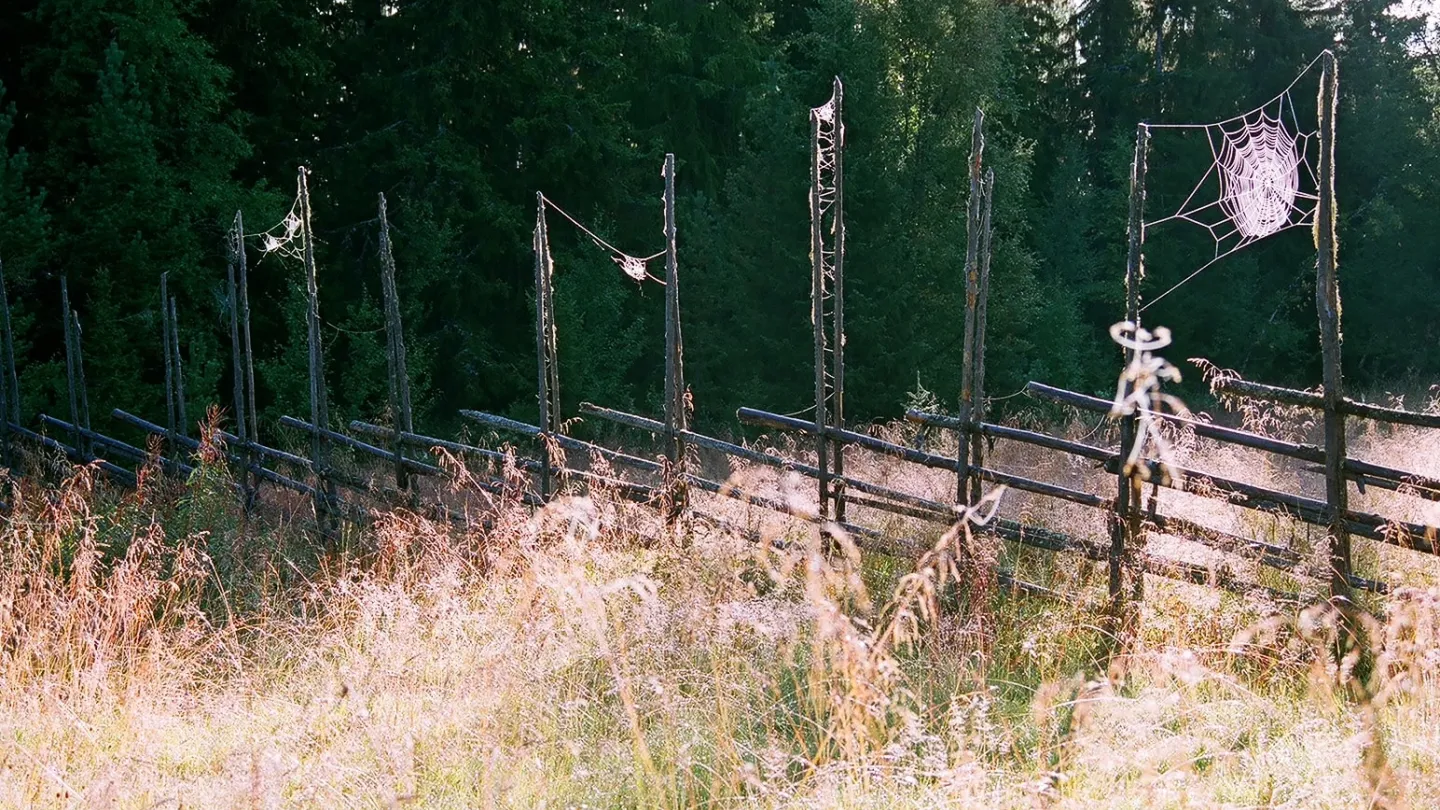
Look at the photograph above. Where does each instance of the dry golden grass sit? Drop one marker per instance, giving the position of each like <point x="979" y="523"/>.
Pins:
<point x="158" y="650"/>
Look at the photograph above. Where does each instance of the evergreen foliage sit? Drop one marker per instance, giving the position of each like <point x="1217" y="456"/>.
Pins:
<point x="131" y="130"/>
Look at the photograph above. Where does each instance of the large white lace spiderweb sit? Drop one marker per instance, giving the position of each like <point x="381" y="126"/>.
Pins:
<point x="1261" y="179"/>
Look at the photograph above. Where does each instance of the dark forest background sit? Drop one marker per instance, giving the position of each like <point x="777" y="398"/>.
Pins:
<point x="132" y="130"/>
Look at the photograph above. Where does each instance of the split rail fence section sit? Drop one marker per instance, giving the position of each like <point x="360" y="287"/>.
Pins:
<point x="668" y="479"/>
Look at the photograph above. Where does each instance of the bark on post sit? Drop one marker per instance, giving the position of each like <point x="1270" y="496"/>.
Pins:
<point x="972" y="297"/>
<point x="86" y="446"/>
<point x="70" y="362"/>
<point x="319" y="403"/>
<point x="977" y="444"/>
<point x="837" y="355"/>
<point x="237" y="377"/>
<point x="675" y="416"/>
<point x="395" y="355"/>
<point x="1327" y="304"/>
<point x="1125" y="529"/>
<point x="542" y="339"/>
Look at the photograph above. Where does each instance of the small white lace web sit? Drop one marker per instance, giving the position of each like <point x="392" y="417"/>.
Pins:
<point x="636" y="267"/>
<point x="284" y="237"/>
<point x="1261" y="181"/>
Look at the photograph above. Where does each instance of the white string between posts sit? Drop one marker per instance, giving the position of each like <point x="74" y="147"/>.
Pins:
<point x="633" y="266"/>
<point x="1260" y="173"/>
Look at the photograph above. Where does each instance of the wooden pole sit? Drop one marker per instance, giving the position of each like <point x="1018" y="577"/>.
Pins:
<point x="817" y="315"/>
<point x="180" y="409"/>
<point x="170" y="420"/>
<point x="837" y="374"/>
<point x="676" y="422"/>
<point x="395" y="356"/>
<point x="972" y="298"/>
<point x="86" y="446"/>
<point x="542" y="339"/>
<point x="70" y="360"/>
<point x="244" y="292"/>
<point x="1125" y="529"/>
<point x="1327" y="304"/>
<point x="977" y="442"/>
<point x="9" y="382"/>
<point x="319" y="403"/>
<point x="237" y="363"/>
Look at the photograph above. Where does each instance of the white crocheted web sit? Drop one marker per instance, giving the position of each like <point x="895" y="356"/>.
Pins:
<point x="1261" y="181"/>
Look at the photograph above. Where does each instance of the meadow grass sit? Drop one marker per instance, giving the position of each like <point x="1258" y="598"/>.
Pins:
<point x="160" y="649"/>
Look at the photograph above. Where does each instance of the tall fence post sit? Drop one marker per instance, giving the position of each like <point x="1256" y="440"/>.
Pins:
<point x="972" y="299"/>
<point x="977" y="441"/>
<point x="395" y="351"/>
<point x="86" y="447"/>
<point x="181" y="411"/>
<point x="244" y="292"/>
<point x="837" y="353"/>
<point x="1327" y="304"/>
<point x="237" y="373"/>
<point x="817" y="313"/>
<point x="70" y="388"/>
<point x="676" y="421"/>
<point x="1125" y="528"/>
<point x="171" y="447"/>
<point x="544" y="344"/>
<point x="9" y="382"/>
<point x="319" y="401"/>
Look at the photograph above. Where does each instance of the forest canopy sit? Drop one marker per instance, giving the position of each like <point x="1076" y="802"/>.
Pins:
<point x="131" y="131"/>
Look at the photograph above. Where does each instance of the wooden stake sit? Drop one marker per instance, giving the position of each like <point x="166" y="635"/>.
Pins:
<point x="170" y="419"/>
<point x="542" y="338"/>
<point x="817" y="316"/>
<point x="237" y="363"/>
<point x="973" y="238"/>
<point x="837" y="354"/>
<point x="180" y="410"/>
<point x="86" y="445"/>
<point x="1125" y="529"/>
<point x="1327" y="304"/>
<point x="244" y="292"/>
<point x="395" y="357"/>
<point x="977" y="442"/>
<point x="9" y="382"/>
<point x="319" y="403"/>
<point x="675" y="416"/>
<point x="70" y="361"/>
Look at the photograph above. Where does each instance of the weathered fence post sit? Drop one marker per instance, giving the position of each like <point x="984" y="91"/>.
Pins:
<point x="676" y="421"/>
<point x="973" y="226"/>
<point x="319" y="403"/>
<point x="84" y="444"/>
<point x="544" y="343"/>
<point x="180" y="409"/>
<point x="817" y="312"/>
<point x="9" y="382"/>
<point x="237" y="376"/>
<point x="244" y="292"/>
<point x="395" y="354"/>
<point x="837" y="355"/>
<point x="977" y="441"/>
<point x="1327" y="304"/>
<point x="1125" y="529"/>
<point x="171" y="447"/>
<point x="70" y="384"/>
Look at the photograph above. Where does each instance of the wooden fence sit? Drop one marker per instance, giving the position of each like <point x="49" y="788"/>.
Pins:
<point x="670" y="477"/>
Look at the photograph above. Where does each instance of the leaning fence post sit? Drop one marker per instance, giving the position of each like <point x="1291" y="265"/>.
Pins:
<point x="1327" y="303"/>
<point x="244" y="293"/>
<point x="972" y="298"/>
<point x="675" y="416"/>
<point x="977" y="441"/>
<point x="395" y="355"/>
<point x="170" y="445"/>
<point x="319" y="405"/>
<point x="1125" y="529"/>
<point x="237" y="376"/>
